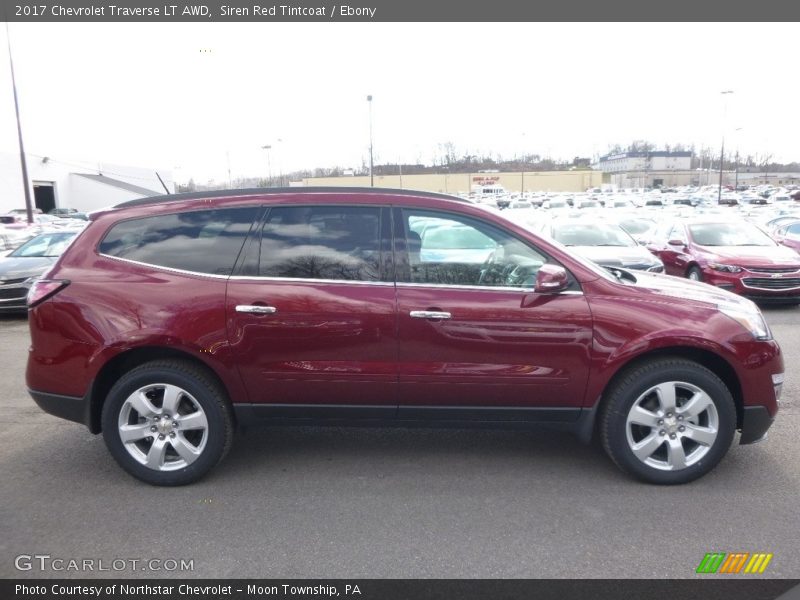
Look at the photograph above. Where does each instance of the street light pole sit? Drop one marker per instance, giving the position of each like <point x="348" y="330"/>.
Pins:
<point x="269" y="165"/>
<point x="722" y="149"/>
<point x="371" y="177"/>
<point x="23" y="162"/>
<point x="736" y="184"/>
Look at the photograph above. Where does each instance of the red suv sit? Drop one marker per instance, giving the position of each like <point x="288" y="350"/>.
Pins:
<point x="170" y="320"/>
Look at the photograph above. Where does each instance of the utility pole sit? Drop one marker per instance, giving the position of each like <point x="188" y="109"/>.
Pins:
<point x="269" y="165"/>
<point x="722" y="149"/>
<point x="23" y="163"/>
<point x="371" y="177"/>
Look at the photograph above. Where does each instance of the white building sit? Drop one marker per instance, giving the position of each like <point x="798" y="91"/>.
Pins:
<point x="85" y="186"/>
<point x="661" y="160"/>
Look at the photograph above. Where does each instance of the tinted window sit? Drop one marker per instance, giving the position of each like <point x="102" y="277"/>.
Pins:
<point x="206" y="241"/>
<point x="454" y="250"/>
<point x="322" y="242"/>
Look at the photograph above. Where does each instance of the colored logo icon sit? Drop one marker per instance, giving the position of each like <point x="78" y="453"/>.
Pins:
<point x="734" y="563"/>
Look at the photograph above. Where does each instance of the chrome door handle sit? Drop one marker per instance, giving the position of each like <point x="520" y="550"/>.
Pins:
<point x="429" y="314"/>
<point x="256" y="309"/>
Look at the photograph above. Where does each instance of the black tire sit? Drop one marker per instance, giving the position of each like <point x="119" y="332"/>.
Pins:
<point x="694" y="273"/>
<point x="199" y="392"/>
<point x="616" y="433"/>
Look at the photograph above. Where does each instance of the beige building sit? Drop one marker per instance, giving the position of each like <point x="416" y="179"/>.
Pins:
<point x="453" y="183"/>
<point x="637" y="179"/>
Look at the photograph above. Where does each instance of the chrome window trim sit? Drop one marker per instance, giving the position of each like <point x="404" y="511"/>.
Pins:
<point x="486" y="288"/>
<point x="244" y="277"/>
<point x="169" y="269"/>
<point x="256" y="278"/>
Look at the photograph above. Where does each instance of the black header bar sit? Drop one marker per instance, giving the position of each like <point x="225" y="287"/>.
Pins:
<point x="337" y="11"/>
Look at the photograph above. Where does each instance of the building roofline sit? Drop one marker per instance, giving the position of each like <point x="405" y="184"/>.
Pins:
<point x="117" y="183"/>
<point x="282" y="190"/>
<point x="651" y="154"/>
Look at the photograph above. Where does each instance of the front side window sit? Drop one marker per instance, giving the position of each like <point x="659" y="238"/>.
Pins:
<point x="793" y="231"/>
<point x="455" y="250"/>
<point x="322" y="242"/>
<point x="205" y="241"/>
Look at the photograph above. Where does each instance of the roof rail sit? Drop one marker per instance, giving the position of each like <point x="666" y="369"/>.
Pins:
<point x="281" y="190"/>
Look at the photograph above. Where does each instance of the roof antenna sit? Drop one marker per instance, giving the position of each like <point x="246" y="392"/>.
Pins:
<point x="163" y="184"/>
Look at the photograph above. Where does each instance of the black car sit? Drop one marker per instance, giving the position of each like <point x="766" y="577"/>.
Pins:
<point x="27" y="263"/>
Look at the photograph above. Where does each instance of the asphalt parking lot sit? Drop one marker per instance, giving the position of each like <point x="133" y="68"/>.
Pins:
<point x="353" y="503"/>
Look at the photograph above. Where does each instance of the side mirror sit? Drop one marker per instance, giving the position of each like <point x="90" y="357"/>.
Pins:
<point x="676" y="243"/>
<point x="551" y="279"/>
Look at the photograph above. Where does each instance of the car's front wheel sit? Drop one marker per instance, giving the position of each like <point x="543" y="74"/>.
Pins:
<point x="167" y="422"/>
<point x="695" y="274"/>
<point x="668" y="421"/>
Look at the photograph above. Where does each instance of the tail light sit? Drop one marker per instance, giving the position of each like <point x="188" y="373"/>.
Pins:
<point x="42" y="289"/>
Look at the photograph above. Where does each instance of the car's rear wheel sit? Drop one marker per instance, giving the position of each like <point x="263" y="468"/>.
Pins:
<point x="668" y="421"/>
<point x="167" y="422"/>
<point x="695" y="274"/>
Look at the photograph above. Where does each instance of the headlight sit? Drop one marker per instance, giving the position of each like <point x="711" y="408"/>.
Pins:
<point x="725" y="268"/>
<point x="748" y="317"/>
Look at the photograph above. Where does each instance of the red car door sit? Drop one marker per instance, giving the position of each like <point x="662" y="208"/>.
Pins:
<point x="474" y="340"/>
<point x="312" y="316"/>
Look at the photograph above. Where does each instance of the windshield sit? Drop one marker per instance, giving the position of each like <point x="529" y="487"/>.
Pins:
<point x="729" y="234"/>
<point x="637" y="226"/>
<point x="580" y="234"/>
<point x="46" y="244"/>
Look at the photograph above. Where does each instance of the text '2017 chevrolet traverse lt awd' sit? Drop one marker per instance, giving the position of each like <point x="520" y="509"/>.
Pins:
<point x="170" y="320"/>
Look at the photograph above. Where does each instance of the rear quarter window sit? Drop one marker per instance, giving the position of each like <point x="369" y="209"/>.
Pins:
<point x="206" y="241"/>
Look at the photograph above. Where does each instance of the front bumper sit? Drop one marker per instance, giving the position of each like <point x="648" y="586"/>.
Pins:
<point x="13" y="297"/>
<point x="759" y="287"/>
<point x="756" y="420"/>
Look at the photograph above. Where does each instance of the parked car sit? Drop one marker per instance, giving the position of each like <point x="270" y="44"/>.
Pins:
<point x="733" y="255"/>
<point x="171" y="319"/>
<point x="620" y="203"/>
<point x="607" y="244"/>
<point x="68" y="213"/>
<point x="24" y="265"/>
<point x="14" y="233"/>
<point x="22" y="212"/>
<point x="62" y="212"/>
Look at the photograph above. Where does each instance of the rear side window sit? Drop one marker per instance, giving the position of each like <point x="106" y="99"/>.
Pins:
<point x="322" y="242"/>
<point x="206" y="241"/>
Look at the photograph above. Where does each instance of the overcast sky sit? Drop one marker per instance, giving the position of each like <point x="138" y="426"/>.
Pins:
<point x="199" y="97"/>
